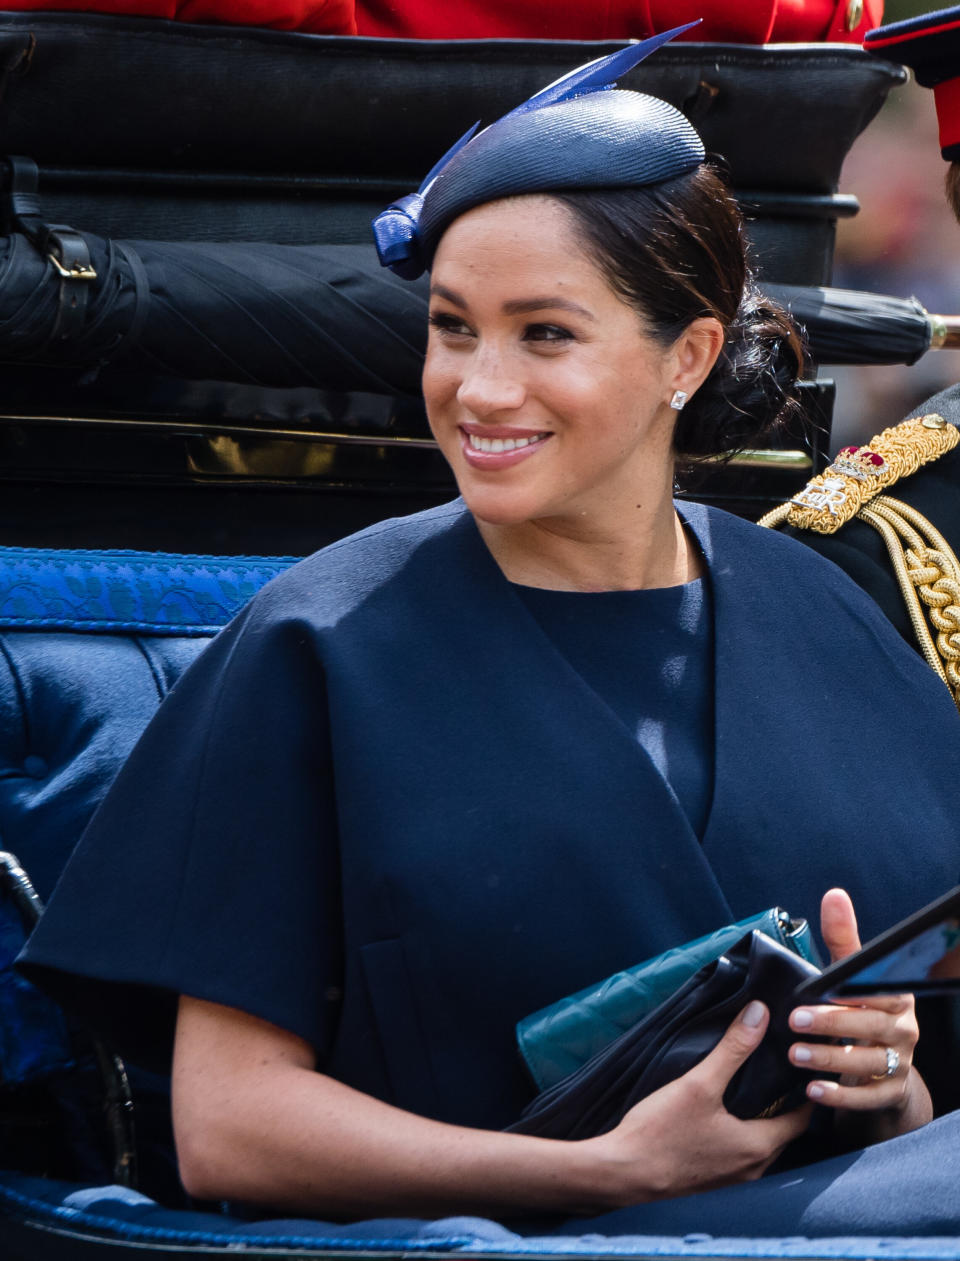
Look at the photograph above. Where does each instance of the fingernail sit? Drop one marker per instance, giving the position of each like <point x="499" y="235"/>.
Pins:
<point x="802" y="1054"/>
<point x="819" y="1088"/>
<point x="753" y="1014"/>
<point x="802" y="1019"/>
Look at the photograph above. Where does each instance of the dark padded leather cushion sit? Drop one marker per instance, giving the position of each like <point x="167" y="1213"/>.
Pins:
<point x="230" y="134"/>
<point x="150" y="93"/>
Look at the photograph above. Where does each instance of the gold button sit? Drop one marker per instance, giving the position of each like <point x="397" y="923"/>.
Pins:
<point x="854" y="14"/>
<point x="933" y="421"/>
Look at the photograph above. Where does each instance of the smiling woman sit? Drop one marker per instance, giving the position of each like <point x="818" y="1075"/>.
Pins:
<point x="454" y="767"/>
<point x="563" y="331"/>
<point x="528" y="342"/>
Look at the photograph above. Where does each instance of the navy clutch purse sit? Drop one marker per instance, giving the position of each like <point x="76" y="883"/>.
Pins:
<point x="559" y="1039"/>
<point x="676" y="1035"/>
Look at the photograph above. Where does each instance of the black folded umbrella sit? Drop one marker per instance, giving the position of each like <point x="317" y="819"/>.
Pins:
<point x="281" y="315"/>
<point x="325" y="316"/>
<point x="848" y="326"/>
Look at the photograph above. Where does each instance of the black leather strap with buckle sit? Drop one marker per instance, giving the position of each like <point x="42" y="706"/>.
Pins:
<point x="70" y="256"/>
<point x="64" y="248"/>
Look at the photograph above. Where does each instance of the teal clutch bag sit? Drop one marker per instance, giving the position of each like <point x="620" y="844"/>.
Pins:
<point x="559" y="1039"/>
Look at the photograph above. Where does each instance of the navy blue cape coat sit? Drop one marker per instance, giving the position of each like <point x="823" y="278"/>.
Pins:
<point x="382" y="811"/>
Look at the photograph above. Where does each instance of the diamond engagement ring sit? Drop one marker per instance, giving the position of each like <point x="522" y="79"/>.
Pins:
<point x="893" y="1063"/>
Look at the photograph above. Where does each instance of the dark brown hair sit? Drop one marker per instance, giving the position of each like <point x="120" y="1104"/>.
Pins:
<point x="953" y="188"/>
<point x="675" y="252"/>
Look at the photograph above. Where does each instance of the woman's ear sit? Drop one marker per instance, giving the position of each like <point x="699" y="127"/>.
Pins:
<point x="694" y="353"/>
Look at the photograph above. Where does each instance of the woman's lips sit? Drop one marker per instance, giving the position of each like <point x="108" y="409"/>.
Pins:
<point x="500" y="448"/>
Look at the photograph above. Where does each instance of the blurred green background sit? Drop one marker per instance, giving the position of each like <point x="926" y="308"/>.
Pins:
<point x="897" y="10"/>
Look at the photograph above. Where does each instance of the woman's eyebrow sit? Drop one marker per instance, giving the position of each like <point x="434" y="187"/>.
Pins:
<point x="526" y="305"/>
<point x="448" y="295"/>
<point x="519" y="306"/>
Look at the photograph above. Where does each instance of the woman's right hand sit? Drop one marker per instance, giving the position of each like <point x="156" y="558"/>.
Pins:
<point x="255" y="1122"/>
<point x="681" y="1139"/>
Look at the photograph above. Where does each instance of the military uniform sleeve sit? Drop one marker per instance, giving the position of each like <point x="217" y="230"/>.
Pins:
<point x="211" y="867"/>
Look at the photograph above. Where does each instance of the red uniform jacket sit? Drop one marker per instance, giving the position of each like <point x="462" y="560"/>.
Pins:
<point x="319" y="17"/>
<point x="743" y="22"/>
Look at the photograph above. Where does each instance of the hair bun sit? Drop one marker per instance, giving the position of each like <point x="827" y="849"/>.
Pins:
<point x="752" y="389"/>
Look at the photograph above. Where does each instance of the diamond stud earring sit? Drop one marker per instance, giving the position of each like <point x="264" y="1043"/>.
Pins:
<point x="678" y="402"/>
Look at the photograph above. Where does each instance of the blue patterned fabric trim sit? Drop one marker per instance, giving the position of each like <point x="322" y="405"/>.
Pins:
<point x="462" y="1237"/>
<point x="122" y="592"/>
<point x="688" y="1247"/>
<point x="336" y="1240"/>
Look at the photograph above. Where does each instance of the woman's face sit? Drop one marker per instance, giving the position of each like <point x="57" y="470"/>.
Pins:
<point x="544" y="391"/>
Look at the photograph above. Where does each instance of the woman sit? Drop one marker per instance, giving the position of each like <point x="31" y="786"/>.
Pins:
<point x="454" y="767"/>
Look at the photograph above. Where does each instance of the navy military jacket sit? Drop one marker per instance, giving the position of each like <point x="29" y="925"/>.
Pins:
<point x="933" y="490"/>
<point x="383" y="812"/>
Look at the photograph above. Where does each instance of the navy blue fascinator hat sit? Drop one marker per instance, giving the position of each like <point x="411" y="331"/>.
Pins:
<point x="576" y="133"/>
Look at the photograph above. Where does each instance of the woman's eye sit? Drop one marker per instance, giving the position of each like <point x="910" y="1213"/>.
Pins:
<point x="450" y="325"/>
<point x="547" y="333"/>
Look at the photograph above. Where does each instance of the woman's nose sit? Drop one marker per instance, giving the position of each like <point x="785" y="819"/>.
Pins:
<point x="488" y="386"/>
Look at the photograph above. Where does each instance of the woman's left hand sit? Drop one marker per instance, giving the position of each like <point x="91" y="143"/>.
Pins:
<point x="879" y="1036"/>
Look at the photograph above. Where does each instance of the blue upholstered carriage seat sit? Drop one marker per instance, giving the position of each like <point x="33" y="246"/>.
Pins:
<point x="115" y="1216"/>
<point x="90" y="644"/>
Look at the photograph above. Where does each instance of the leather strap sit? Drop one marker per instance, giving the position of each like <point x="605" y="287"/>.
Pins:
<point x="141" y="304"/>
<point x="69" y="254"/>
<point x="65" y="249"/>
<point x="21" y="204"/>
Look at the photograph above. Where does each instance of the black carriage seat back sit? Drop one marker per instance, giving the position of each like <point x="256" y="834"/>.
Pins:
<point x="330" y="128"/>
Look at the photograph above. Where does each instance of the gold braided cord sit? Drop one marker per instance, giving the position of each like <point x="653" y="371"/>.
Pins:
<point x="942" y="597"/>
<point x="941" y="594"/>
<point x="925" y="565"/>
<point x="918" y="621"/>
<point x="924" y="524"/>
<point x="776" y="516"/>
<point x="837" y="494"/>
<point x="886" y="508"/>
<point x="934" y="572"/>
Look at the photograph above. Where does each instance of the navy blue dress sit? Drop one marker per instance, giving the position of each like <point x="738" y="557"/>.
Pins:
<point x="649" y="655"/>
<point x="385" y="812"/>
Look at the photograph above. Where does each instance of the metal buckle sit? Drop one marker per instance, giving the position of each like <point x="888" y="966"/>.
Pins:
<point x="76" y="272"/>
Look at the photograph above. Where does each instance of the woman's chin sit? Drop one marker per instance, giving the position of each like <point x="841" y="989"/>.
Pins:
<point x="500" y="509"/>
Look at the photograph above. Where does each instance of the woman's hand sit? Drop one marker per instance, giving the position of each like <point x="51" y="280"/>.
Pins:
<point x="681" y="1139"/>
<point x="879" y="1034"/>
<point x="255" y="1121"/>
